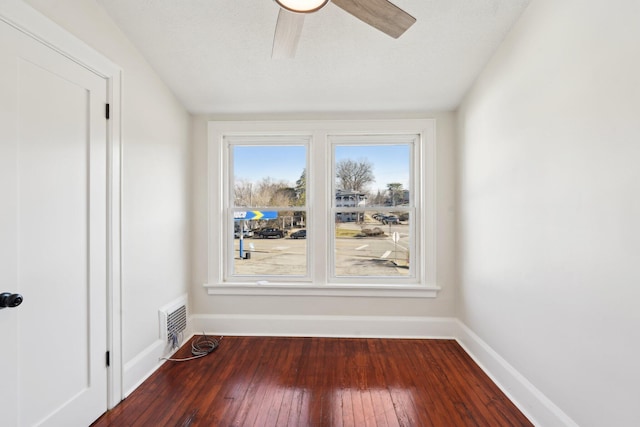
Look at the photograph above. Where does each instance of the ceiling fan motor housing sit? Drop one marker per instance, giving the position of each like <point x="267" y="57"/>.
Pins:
<point x="302" y="6"/>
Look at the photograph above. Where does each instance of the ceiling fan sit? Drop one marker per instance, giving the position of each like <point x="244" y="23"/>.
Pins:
<point x="380" y="14"/>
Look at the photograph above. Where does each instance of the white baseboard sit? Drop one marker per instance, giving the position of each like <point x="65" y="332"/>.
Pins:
<point x="531" y="401"/>
<point x="138" y="369"/>
<point x="145" y="363"/>
<point x="325" y="326"/>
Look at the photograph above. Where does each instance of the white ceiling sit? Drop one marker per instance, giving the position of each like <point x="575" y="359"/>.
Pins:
<point x="216" y="54"/>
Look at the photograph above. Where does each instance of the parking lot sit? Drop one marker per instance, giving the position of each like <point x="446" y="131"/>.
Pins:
<point x="355" y="256"/>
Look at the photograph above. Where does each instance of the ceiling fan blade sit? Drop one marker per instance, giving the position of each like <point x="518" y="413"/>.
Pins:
<point x="380" y="14"/>
<point x="287" y="34"/>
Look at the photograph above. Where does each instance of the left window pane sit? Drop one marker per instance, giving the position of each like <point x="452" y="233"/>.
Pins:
<point x="268" y="206"/>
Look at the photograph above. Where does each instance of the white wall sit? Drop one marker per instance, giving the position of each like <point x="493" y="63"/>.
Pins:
<point x="155" y="177"/>
<point x="443" y="305"/>
<point x="549" y="192"/>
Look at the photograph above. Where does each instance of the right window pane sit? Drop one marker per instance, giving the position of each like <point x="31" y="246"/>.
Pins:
<point x="373" y="208"/>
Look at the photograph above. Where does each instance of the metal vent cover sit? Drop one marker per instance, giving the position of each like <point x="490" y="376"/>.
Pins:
<point x="176" y="322"/>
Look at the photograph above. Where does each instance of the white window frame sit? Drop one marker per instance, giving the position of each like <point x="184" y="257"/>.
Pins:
<point x="320" y="199"/>
<point x="228" y="142"/>
<point x="415" y="227"/>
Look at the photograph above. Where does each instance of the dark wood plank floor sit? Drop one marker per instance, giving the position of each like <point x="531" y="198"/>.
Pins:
<point x="263" y="381"/>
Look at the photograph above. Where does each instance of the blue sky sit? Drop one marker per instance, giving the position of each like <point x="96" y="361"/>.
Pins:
<point x="252" y="163"/>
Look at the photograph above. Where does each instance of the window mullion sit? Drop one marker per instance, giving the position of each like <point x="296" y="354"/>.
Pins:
<point x="318" y="206"/>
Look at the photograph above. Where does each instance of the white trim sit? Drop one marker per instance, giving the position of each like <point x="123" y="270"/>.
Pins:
<point x="423" y="285"/>
<point x="427" y="172"/>
<point x="141" y="367"/>
<point x="325" y="326"/>
<point x="230" y="143"/>
<point x="532" y="402"/>
<point x="27" y="20"/>
<point x="416" y="209"/>
<point x="37" y="26"/>
<point x="271" y="289"/>
<point x="138" y="369"/>
<point x="115" y="232"/>
<point x="145" y="363"/>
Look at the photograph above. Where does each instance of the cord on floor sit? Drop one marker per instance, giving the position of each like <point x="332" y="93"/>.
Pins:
<point x="200" y="347"/>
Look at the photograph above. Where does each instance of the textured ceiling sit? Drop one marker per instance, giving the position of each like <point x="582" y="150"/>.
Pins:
<point x="216" y="54"/>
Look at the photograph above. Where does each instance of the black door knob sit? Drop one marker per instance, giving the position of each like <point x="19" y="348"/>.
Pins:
<point x="10" y="300"/>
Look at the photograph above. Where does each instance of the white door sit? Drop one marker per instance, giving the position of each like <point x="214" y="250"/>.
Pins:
<point x="53" y="236"/>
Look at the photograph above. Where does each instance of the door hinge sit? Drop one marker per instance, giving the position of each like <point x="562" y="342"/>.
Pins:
<point x="108" y="358"/>
<point x="106" y="111"/>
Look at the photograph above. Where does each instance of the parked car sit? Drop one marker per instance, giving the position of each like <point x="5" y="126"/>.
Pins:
<point x="245" y="234"/>
<point x="300" y="234"/>
<point x="269" y="232"/>
<point x="390" y="219"/>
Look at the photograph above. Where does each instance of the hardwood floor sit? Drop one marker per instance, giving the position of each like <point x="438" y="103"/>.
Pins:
<point x="264" y="381"/>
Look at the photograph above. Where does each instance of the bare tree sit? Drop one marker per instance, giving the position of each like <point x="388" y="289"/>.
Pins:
<point x="283" y="196"/>
<point x="266" y="192"/>
<point x="376" y="200"/>
<point x="243" y="193"/>
<point x="396" y="193"/>
<point x="354" y="175"/>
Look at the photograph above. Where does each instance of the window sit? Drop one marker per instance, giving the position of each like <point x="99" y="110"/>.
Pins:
<point x="322" y="208"/>
<point x="373" y="237"/>
<point x="267" y="205"/>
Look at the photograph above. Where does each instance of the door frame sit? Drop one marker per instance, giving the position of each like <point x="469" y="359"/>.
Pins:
<point x="29" y="21"/>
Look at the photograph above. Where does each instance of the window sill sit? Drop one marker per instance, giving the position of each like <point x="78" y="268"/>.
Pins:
<point x="283" y="289"/>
